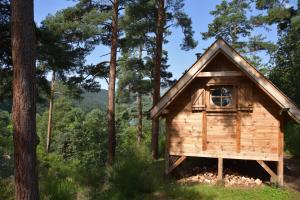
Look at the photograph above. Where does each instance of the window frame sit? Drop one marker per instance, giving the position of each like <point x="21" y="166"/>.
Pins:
<point x="215" y="108"/>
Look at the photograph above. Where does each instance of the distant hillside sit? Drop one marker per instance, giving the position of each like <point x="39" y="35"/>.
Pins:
<point x="92" y="100"/>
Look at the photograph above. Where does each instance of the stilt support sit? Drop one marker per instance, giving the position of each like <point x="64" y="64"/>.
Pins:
<point x="269" y="170"/>
<point x="175" y="164"/>
<point x="220" y="170"/>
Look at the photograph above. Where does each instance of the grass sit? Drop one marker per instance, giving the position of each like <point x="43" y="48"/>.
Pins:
<point x="176" y="191"/>
<point x="139" y="176"/>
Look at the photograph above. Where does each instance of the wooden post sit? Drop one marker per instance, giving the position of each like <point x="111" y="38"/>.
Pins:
<point x="167" y="155"/>
<point x="280" y="164"/>
<point x="220" y="170"/>
<point x="204" y="131"/>
<point x="238" y="132"/>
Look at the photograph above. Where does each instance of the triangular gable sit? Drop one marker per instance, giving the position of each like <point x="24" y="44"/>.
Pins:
<point x="259" y="79"/>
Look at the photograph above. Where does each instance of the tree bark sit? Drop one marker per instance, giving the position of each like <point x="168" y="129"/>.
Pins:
<point x="139" y="103"/>
<point x="111" y="86"/>
<point x="140" y="118"/>
<point x="49" y="132"/>
<point x="24" y="100"/>
<point x="156" y="74"/>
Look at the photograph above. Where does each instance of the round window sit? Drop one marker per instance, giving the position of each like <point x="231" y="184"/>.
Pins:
<point x="221" y="96"/>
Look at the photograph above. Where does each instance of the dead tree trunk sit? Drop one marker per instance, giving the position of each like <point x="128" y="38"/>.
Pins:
<point x="24" y="100"/>
<point x="111" y="86"/>
<point x="49" y="132"/>
<point x="156" y="74"/>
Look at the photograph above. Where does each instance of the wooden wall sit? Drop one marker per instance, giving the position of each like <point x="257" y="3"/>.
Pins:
<point x="259" y="127"/>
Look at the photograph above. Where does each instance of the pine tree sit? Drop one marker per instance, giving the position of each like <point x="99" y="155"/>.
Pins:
<point x="166" y="15"/>
<point x="232" y="23"/>
<point x="286" y="72"/>
<point x="63" y="46"/>
<point x="111" y="86"/>
<point x="24" y="101"/>
<point x="156" y="73"/>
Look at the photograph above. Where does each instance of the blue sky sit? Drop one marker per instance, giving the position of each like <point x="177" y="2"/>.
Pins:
<point x="179" y="60"/>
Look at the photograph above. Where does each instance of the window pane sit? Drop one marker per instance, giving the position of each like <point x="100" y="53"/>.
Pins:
<point x="216" y="101"/>
<point x="226" y="101"/>
<point x="216" y="92"/>
<point x="226" y="91"/>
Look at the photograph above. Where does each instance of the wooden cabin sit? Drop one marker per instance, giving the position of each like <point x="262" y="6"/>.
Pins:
<point x="224" y="108"/>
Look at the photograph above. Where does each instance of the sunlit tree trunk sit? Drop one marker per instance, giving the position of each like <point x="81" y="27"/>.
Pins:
<point x="50" y="114"/>
<point x="156" y="74"/>
<point x="139" y="103"/>
<point x="140" y="118"/>
<point x="24" y="100"/>
<point x="111" y="85"/>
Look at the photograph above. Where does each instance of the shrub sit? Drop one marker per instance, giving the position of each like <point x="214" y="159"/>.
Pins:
<point x="7" y="190"/>
<point x="56" y="177"/>
<point x="133" y="174"/>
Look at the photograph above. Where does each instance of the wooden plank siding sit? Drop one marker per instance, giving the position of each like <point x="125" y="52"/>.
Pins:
<point x="255" y="139"/>
<point x="222" y="57"/>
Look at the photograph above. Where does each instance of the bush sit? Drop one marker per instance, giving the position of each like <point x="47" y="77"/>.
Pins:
<point x="292" y="139"/>
<point x="132" y="175"/>
<point x="56" y="177"/>
<point x="7" y="190"/>
<point x="59" y="189"/>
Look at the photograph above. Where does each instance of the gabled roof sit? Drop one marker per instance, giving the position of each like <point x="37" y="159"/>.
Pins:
<point x="251" y="72"/>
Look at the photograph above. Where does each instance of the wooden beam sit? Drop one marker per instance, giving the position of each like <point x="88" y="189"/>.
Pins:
<point x="165" y="112"/>
<point x="268" y="169"/>
<point x="220" y="74"/>
<point x="204" y="131"/>
<point x="232" y="155"/>
<point x="167" y="149"/>
<point x="220" y="169"/>
<point x="280" y="163"/>
<point x="176" y="163"/>
<point x="238" y="132"/>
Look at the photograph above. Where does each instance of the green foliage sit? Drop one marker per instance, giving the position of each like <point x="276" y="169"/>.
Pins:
<point x="7" y="189"/>
<point x="292" y="139"/>
<point x="6" y="145"/>
<point x="75" y="134"/>
<point x="133" y="174"/>
<point x="234" y="23"/>
<point x="287" y="71"/>
<point x="78" y="150"/>
<point x="230" y="22"/>
<point x="56" y="177"/>
<point x="92" y="100"/>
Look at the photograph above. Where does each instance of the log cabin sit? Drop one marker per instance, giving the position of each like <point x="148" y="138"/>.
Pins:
<point x="224" y="108"/>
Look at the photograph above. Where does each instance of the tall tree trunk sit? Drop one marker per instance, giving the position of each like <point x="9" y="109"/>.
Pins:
<point x="156" y="74"/>
<point x="140" y="118"/>
<point x="24" y="100"/>
<point x="49" y="132"/>
<point x="111" y="86"/>
<point x="139" y="103"/>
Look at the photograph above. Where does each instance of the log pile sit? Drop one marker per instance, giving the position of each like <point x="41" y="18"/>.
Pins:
<point x="228" y="181"/>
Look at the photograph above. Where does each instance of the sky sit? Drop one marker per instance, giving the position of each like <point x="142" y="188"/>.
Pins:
<point x="178" y="59"/>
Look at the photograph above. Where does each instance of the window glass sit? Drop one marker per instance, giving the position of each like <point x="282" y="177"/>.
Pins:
<point x="221" y="96"/>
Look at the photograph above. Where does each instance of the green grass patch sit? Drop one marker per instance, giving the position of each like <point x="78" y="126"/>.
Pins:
<point x="184" y="192"/>
<point x="141" y="178"/>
